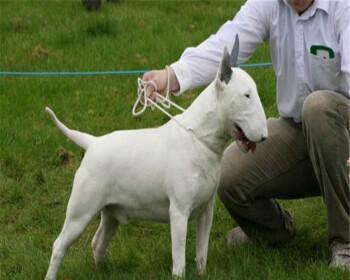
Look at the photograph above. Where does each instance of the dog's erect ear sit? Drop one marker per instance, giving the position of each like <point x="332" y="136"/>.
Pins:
<point x="234" y="53"/>
<point x="228" y="61"/>
<point x="225" y="67"/>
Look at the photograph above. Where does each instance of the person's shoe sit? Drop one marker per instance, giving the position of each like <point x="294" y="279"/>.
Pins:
<point x="237" y="237"/>
<point x="340" y="256"/>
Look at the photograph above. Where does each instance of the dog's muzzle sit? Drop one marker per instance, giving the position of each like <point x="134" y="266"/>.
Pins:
<point x="242" y="141"/>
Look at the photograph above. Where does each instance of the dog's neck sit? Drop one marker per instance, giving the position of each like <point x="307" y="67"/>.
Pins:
<point x="206" y="121"/>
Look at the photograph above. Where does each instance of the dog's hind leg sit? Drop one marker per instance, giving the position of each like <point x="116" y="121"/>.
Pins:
<point x="204" y="223"/>
<point x="178" y="228"/>
<point x="103" y="235"/>
<point x="80" y="210"/>
<point x="70" y="232"/>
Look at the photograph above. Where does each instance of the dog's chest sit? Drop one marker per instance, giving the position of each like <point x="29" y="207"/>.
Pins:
<point x="204" y="187"/>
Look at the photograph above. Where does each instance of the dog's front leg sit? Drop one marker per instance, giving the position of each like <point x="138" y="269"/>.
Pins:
<point x="204" y="223"/>
<point x="178" y="228"/>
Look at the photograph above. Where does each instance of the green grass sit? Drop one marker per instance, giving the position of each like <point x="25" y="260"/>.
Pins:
<point x="37" y="163"/>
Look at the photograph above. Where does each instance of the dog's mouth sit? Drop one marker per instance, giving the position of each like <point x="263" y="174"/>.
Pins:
<point x="242" y="141"/>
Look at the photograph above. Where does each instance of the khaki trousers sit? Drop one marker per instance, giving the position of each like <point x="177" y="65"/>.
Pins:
<point x="296" y="161"/>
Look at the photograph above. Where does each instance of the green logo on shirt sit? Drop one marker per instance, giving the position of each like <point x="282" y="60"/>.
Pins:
<point x="322" y="51"/>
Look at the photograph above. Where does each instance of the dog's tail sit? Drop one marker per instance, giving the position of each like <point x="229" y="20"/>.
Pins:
<point x="80" y="138"/>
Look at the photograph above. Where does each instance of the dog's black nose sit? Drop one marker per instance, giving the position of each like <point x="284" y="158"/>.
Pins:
<point x="263" y="139"/>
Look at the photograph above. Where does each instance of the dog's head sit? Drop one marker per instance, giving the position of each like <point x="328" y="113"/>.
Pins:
<point x="239" y="99"/>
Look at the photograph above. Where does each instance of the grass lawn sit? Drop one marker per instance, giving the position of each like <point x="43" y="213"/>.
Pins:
<point x="37" y="163"/>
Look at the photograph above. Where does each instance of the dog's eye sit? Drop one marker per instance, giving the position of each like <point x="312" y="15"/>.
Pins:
<point x="247" y="95"/>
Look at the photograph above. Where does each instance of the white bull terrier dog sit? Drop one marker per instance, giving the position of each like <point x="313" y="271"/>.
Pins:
<point x="166" y="174"/>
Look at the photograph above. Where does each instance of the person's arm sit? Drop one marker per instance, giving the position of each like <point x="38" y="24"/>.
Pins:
<point x="198" y="66"/>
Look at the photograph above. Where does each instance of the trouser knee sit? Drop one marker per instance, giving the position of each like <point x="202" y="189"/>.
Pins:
<point x="317" y="111"/>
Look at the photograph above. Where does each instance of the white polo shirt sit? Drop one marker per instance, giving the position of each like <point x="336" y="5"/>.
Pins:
<point x="309" y="52"/>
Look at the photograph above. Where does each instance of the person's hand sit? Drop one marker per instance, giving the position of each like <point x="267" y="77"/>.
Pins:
<point x="160" y="78"/>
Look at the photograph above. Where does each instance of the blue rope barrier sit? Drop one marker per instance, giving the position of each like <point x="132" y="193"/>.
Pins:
<point x="256" y="65"/>
<point x="70" y="74"/>
<point x="99" y="73"/>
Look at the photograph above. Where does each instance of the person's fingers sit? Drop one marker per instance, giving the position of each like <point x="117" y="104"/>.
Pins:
<point x="148" y="75"/>
<point x="150" y="91"/>
<point x="159" y="83"/>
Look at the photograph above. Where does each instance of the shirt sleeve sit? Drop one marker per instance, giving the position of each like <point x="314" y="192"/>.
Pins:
<point x="198" y="66"/>
<point x="343" y="34"/>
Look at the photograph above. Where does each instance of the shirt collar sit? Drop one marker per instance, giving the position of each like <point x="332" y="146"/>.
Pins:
<point x="323" y="5"/>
